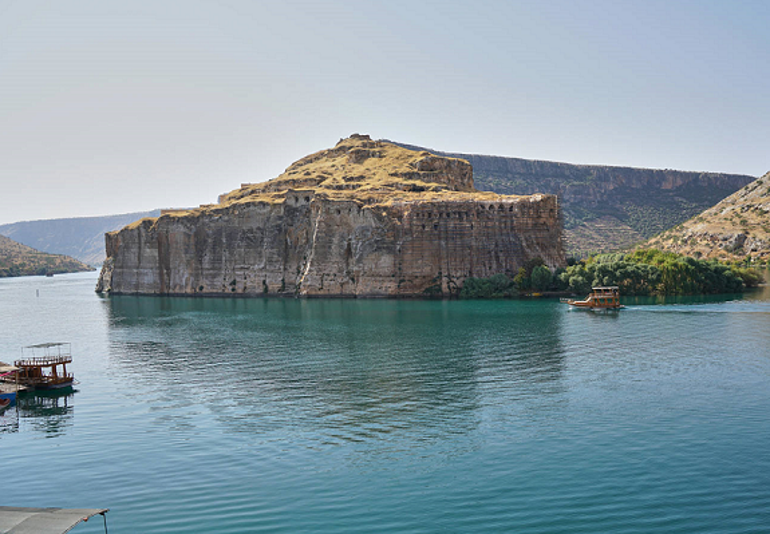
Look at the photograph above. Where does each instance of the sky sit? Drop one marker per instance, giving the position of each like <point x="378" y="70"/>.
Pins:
<point x="111" y="107"/>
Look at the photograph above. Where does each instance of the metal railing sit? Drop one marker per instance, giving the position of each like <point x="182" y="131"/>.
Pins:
<point x="43" y="361"/>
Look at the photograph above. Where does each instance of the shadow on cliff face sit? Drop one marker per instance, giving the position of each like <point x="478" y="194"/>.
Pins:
<point x="349" y="370"/>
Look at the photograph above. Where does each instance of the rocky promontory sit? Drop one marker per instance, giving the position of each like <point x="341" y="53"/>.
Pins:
<point x="365" y="218"/>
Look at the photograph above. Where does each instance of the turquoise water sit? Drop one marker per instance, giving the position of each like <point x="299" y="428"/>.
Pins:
<point x="250" y="415"/>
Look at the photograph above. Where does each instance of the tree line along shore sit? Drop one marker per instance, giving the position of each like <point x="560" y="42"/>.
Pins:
<point x="646" y="272"/>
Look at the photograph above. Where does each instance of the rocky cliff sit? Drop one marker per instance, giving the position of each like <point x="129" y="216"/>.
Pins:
<point x="365" y="218"/>
<point x="735" y="229"/>
<point x="606" y="208"/>
<point x="81" y="237"/>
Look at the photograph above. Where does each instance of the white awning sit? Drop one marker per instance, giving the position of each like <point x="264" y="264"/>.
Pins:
<point x="7" y="368"/>
<point x="15" y="520"/>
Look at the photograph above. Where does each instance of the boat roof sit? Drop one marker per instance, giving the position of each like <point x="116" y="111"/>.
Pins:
<point x="15" y="520"/>
<point x="46" y="345"/>
<point x="604" y="287"/>
<point x="7" y="368"/>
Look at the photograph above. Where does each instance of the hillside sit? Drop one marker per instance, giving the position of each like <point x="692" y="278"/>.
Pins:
<point x="606" y="208"/>
<point x="361" y="219"/>
<point x="20" y="260"/>
<point x="81" y="238"/>
<point x="734" y="229"/>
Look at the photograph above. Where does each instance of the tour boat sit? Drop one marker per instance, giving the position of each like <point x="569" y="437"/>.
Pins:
<point x="600" y="298"/>
<point x="44" y="366"/>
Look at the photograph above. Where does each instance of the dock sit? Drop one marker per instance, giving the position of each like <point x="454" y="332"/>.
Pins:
<point x="18" y="520"/>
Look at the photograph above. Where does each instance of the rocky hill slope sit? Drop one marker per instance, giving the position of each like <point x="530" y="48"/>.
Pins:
<point x="81" y="238"/>
<point x="606" y="208"/>
<point x="734" y="229"/>
<point x="365" y="218"/>
<point x="20" y="260"/>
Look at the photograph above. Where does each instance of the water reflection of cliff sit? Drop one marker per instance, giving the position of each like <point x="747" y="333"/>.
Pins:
<point x="354" y="369"/>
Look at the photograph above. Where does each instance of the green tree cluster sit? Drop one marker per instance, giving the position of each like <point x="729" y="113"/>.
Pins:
<point x="654" y="272"/>
<point x="533" y="275"/>
<point x="497" y="286"/>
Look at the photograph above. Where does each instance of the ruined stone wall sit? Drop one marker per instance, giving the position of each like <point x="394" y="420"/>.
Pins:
<point x="444" y="243"/>
<point x="309" y="245"/>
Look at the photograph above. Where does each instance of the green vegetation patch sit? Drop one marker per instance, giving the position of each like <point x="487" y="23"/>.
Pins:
<point x="642" y="273"/>
<point x="533" y="276"/>
<point x="654" y="272"/>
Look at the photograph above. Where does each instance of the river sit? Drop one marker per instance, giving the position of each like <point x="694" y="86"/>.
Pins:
<point x="323" y="415"/>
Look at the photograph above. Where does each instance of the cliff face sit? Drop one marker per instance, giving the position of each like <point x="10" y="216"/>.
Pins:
<point x="81" y="238"/>
<point x="607" y="208"/>
<point x="365" y="218"/>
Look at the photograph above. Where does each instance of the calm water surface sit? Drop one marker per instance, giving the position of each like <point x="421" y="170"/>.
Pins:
<point x="215" y="415"/>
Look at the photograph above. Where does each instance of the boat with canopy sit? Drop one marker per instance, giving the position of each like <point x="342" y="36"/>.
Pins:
<point x="44" y="366"/>
<point x="600" y="298"/>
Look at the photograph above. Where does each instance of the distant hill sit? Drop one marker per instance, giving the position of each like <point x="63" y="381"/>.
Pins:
<point x="82" y="237"/>
<point x="606" y="208"/>
<point x="736" y="227"/>
<point x="20" y="260"/>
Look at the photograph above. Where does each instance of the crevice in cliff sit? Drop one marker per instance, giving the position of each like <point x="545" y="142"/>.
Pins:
<point x="311" y="252"/>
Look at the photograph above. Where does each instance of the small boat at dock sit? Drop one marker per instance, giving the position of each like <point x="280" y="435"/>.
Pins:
<point x="7" y="395"/>
<point x="9" y="386"/>
<point x="600" y="298"/>
<point x="44" y="366"/>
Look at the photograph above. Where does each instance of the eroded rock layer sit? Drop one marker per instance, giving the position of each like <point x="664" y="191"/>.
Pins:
<point x="365" y="218"/>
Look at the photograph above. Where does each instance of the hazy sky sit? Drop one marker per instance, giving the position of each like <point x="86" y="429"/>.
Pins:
<point x="111" y="107"/>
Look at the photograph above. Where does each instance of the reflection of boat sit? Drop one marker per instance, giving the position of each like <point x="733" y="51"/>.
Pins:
<point x="44" y="366"/>
<point x="600" y="298"/>
<point x="49" y="412"/>
<point x="4" y="403"/>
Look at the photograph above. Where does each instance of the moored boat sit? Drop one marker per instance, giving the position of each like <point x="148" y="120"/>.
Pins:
<point x="600" y="298"/>
<point x="9" y="387"/>
<point x="44" y="366"/>
<point x="7" y="394"/>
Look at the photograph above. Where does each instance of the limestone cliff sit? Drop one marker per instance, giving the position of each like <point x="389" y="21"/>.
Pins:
<point x="365" y="218"/>
<point x="81" y="238"/>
